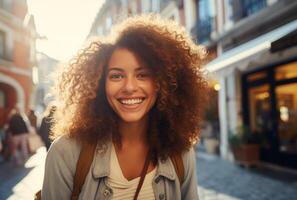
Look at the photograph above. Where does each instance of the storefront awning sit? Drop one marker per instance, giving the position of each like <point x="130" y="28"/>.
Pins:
<point x="248" y="49"/>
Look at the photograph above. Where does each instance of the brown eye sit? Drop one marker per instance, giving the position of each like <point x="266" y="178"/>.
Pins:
<point x="143" y="75"/>
<point x="116" y="76"/>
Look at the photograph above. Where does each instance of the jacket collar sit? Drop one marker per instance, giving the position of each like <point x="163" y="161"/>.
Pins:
<point x="166" y="169"/>
<point x="101" y="164"/>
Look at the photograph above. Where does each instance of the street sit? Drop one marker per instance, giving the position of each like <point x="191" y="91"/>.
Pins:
<point x="222" y="180"/>
<point x="218" y="180"/>
<point x="17" y="183"/>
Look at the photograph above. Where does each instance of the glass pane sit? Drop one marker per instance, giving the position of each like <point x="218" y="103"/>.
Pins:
<point x="2" y="99"/>
<point x="287" y="108"/>
<point x="256" y="76"/>
<point x="286" y="71"/>
<point x="2" y="43"/>
<point x="260" y="109"/>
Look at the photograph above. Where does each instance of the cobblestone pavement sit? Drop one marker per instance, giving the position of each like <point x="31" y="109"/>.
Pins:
<point x="221" y="180"/>
<point x="21" y="183"/>
<point x="217" y="180"/>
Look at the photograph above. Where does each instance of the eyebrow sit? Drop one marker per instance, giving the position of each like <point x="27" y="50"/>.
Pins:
<point x="121" y="69"/>
<point x="115" y="68"/>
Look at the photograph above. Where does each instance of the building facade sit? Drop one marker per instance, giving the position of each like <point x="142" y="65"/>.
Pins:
<point x="17" y="56"/>
<point x="252" y="57"/>
<point x="255" y="64"/>
<point x="46" y="68"/>
<point x="114" y="11"/>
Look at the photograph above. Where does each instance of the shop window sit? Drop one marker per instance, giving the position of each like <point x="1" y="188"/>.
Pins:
<point x="287" y="108"/>
<point x="286" y="71"/>
<point x="2" y="99"/>
<point x="260" y="109"/>
<point x="257" y="76"/>
<point x="2" y="44"/>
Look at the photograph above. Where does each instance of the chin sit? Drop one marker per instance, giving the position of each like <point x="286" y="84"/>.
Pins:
<point x="131" y="118"/>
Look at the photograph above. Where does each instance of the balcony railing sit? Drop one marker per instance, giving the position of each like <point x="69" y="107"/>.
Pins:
<point x="204" y="29"/>
<point x="245" y="8"/>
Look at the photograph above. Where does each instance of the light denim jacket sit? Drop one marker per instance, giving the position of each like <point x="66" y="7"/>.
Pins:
<point x="61" y="164"/>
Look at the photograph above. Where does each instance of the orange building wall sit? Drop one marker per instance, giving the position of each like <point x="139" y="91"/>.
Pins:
<point x="19" y="9"/>
<point x="21" y="55"/>
<point x="20" y="60"/>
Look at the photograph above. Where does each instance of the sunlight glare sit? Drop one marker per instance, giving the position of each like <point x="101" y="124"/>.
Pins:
<point x="65" y="24"/>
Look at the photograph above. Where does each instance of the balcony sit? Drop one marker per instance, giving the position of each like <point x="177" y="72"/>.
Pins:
<point x="203" y="29"/>
<point x="259" y="23"/>
<point x="245" y="8"/>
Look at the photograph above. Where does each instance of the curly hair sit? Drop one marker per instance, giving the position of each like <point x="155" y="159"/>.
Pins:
<point x="176" y="63"/>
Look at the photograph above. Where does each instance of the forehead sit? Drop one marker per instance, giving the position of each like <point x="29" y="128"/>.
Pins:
<point x="124" y="59"/>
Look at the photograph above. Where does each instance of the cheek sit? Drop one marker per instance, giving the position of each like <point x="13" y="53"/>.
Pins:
<point x="109" y="91"/>
<point x="153" y="90"/>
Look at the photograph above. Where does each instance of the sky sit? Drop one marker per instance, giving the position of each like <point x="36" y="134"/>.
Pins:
<point x="65" y="24"/>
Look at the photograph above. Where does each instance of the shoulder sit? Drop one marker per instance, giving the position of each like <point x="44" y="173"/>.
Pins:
<point x="60" y="166"/>
<point x="66" y="145"/>
<point x="189" y="159"/>
<point x="65" y="141"/>
<point x="188" y="155"/>
<point x="64" y="148"/>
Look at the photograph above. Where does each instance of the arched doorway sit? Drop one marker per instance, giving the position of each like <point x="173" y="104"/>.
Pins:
<point x="11" y="94"/>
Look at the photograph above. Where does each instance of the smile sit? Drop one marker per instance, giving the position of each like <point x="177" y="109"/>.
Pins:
<point x="131" y="101"/>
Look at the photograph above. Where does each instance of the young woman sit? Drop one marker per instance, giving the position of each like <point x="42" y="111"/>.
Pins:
<point x="138" y="95"/>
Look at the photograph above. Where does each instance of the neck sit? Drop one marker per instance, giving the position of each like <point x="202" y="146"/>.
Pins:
<point x="133" y="132"/>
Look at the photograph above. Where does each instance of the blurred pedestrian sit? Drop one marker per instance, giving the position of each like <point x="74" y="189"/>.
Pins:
<point x="18" y="128"/>
<point x="32" y="118"/>
<point x="137" y="97"/>
<point x="2" y="134"/>
<point x="46" y="125"/>
<point x="6" y="143"/>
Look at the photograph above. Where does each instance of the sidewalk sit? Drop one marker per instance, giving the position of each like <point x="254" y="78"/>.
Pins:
<point x="217" y="180"/>
<point x="21" y="183"/>
<point x="222" y="180"/>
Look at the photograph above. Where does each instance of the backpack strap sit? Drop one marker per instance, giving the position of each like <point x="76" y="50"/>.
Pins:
<point x="178" y="164"/>
<point x="82" y="168"/>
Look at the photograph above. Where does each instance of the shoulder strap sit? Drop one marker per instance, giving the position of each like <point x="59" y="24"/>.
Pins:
<point x="82" y="168"/>
<point x="178" y="166"/>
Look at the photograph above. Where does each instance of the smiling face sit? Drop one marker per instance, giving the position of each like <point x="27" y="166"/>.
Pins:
<point x="130" y="87"/>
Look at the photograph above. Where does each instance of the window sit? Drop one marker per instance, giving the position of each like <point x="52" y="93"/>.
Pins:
<point x="155" y="5"/>
<point x="244" y="8"/>
<point x="260" y="108"/>
<point x="108" y="22"/>
<point x="286" y="71"/>
<point x="2" y="44"/>
<point x="257" y="76"/>
<point x="253" y="6"/>
<point x="287" y="108"/>
<point x="206" y="20"/>
<point x="2" y="99"/>
<point x="145" y="6"/>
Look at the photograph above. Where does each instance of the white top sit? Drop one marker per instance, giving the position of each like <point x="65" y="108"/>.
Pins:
<point x="124" y="189"/>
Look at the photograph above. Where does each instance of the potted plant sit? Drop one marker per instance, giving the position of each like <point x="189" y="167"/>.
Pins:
<point x="245" y="146"/>
<point x="210" y="128"/>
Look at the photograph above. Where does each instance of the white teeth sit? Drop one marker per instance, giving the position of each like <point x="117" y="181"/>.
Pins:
<point x="131" y="101"/>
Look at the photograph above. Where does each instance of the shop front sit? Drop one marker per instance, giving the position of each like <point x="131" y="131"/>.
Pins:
<point x="269" y="99"/>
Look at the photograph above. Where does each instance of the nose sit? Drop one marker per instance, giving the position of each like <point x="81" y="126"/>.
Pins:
<point x="131" y="84"/>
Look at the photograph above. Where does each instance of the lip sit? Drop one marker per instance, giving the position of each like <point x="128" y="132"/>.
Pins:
<point x="130" y="107"/>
